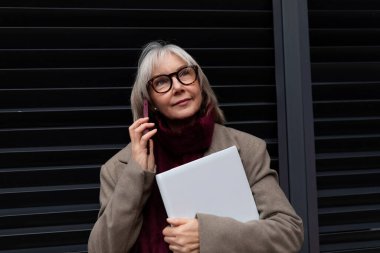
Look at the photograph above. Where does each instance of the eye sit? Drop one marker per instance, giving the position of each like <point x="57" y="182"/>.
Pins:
<point x="184" y="72"/>
<point x="161" y="82"/>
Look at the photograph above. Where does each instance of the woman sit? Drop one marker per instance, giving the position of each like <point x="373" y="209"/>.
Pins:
<point x="185" y="123"/>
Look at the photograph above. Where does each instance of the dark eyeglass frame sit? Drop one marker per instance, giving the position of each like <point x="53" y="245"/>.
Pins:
<point x="170" y="76"/>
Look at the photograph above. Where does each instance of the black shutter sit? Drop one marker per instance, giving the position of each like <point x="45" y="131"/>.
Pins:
<point x="66" y="69"/>
<point x="345" y="56"/>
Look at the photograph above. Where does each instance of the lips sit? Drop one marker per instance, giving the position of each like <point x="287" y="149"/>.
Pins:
<point x="181" y="101"/>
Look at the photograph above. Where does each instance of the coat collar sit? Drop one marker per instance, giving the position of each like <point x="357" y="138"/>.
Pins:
<point x="221" y="139"/>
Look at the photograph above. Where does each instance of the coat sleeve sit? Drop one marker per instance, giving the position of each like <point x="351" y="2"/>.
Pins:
<point x="121" y="202"/>
<point x="279" y="229"/>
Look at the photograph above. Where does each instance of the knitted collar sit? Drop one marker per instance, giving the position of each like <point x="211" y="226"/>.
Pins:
<point x="187" y="143"/>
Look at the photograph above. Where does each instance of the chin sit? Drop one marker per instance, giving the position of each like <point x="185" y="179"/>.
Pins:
<point x="183" y="114"/>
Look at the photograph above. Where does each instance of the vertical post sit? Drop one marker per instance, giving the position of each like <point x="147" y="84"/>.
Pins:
<point x="295" y="111"/>
<point x="281" y="102"/>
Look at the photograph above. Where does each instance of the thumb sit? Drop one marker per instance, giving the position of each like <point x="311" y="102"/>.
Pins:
<point x="177" y="221"/>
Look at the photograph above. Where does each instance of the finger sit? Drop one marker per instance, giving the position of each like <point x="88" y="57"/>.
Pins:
<point x="139" y="122"/>
<point x="146" y="138"/>
<point x="148" y="135"/>
<point x="138" y="132"/>
<point x="144" y="126"/>
<point x="135" y="125"/>
<point x="169" y="231"/>
<point x="180" y="249"/>
<point x="151" y="160"/>
<point x="170" y="240"/>
<point x="175" y="248"/>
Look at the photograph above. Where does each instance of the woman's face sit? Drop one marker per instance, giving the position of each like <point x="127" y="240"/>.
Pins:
<point x="181" y="102"/>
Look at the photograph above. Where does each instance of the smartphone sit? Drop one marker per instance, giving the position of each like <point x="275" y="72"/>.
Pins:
<point x="146" y="108"/>
<point x="146" y="114"/>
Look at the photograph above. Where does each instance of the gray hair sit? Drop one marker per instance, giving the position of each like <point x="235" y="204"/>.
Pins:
<point x="149" y="57"/>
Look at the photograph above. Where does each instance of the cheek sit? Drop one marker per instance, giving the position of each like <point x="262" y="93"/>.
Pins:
<point x="200" y="95"/>
<point x="162" y="104"/>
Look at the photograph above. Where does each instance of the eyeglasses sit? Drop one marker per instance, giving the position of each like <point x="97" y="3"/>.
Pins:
<point x="163" y="83"/>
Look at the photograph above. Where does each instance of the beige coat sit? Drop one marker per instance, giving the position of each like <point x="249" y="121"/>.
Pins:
<point x="125" y="187"/>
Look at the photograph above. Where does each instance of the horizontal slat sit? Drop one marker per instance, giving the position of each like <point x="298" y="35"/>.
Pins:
<point x="348" y="192"/>
<point x="348" y="161"/>
<point x="123" y="76"/>
<point x="344" y="126"/>
<point x="359" y="108"/>
<point x="349" y="227"/>
<point x="44" y="176"/>
<point x="54" y="17"/>
<point x="67" y="97"/>
<point x="66" y="117"/>
<point x="64" y="137"/>
<point x="349" y="196"/>
<point x="78" y="248"/>
<point x="104" y="116"/>
<point x="42" y="196"/>
<point x="339" y="173"/>
<point x="124" y="57"/>
<point x="357" y="250"/>
<point x="345" y="54"/>
<point x="47" y="209"/>
<point x="117" y="114"/>
<point x="346" y="72"/>
<point x="169" y="4"/>
<point x="349" y="91"/>
<point x="53" y="156"/>
<point x="350" y="217"/>
<point x="44" y="236"/>
<point x="344" y="37"/>
<point x="112" y="135"/>
<point x="345" y="143"/>
<point x="350" y="240"/>
<point x="40" y="219"/>
<point x="343" y="5"/>
<point x="68" y="58"/>
<point x="344" y="18"/>
<point x="111" y="37"/>
<point x="348" y="178"/>
<point x="26" y="98"/>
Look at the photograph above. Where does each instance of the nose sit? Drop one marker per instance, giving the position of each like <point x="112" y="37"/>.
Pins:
<point x="177" y="85"/>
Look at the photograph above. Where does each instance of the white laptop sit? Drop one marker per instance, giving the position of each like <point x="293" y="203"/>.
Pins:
<point x="215" y="184"/>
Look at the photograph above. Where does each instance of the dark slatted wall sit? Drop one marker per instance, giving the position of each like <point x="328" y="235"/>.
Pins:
<point x="345" y="55"/>
<point x="66" y="69"/>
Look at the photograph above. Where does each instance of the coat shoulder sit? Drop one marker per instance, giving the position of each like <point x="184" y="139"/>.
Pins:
<point x="239" y="138"/>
